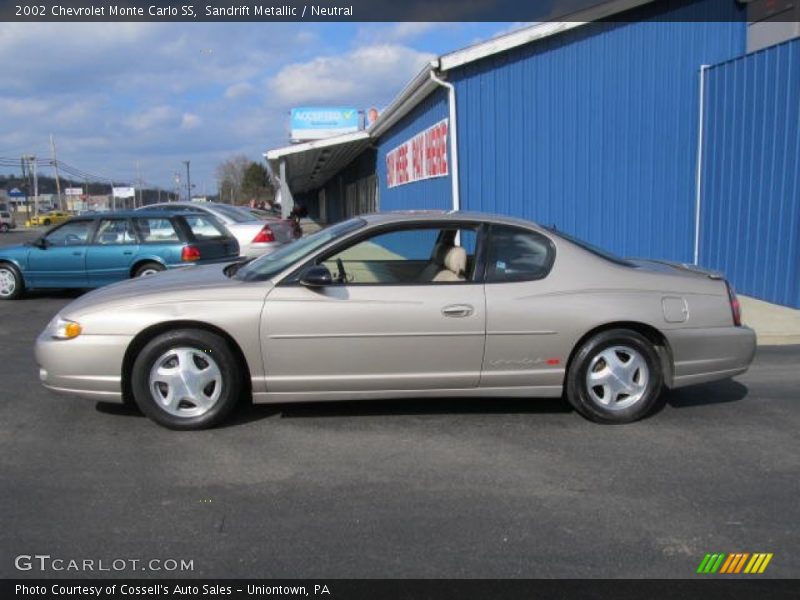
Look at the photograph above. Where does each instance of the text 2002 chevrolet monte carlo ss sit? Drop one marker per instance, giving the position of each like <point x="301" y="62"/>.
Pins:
<point x="402" y="305"/>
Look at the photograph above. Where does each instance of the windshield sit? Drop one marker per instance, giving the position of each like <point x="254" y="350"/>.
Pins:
<point x="592" y="248"/>
<point x="271" y="264"/>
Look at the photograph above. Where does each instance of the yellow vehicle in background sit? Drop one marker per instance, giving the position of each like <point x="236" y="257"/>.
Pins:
<point x="48" y="218"/>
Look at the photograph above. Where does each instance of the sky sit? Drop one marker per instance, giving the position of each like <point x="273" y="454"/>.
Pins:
<point x="114" y="94"/>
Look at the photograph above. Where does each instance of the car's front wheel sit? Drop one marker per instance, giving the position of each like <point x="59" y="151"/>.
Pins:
<point x="615" y="377"/>
<point x="186" y="379"/>
<point x="11" y="283"/>
<point x="4" y="228"/>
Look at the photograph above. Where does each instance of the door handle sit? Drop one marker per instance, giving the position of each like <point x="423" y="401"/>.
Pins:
<point x="77" y="254"/>
<point x="458" y="310"/>
<point x="128" y="252"/>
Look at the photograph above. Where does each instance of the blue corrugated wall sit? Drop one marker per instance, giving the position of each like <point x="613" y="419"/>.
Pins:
<point x="593" y="130"/>
<point x="751" y="173"/>
<point x="430" y="193"/>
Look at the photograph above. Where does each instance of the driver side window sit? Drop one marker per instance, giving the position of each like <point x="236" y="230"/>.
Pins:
<point x="407" y="257"/>
<point x="74" y="233"/>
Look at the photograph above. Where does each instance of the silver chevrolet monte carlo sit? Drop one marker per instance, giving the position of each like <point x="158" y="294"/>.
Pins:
<point x="402" y="305"/>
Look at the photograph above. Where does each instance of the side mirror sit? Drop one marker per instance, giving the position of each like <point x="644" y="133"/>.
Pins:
<point x="40" y="243"/>
<point x="317" y="276"/>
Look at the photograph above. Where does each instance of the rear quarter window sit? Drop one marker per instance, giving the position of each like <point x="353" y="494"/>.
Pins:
<point x="517" y="254"/>
<point x="156" y="230"/>
<point x="204" y="227"/>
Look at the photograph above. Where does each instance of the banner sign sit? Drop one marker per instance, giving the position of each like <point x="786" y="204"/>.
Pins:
<point x="73" y="191"/>
<point x="422" y="157"/>
<point x="124" y="192"/>
<point x="319" y="123"/>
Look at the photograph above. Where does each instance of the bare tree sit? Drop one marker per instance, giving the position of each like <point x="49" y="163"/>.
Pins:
<point x="230" y="175"/>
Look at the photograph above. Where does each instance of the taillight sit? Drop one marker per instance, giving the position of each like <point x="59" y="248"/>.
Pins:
<point x="190" y="253"/>
<point x="263" y="236"/>
<point x="736" y="309"/>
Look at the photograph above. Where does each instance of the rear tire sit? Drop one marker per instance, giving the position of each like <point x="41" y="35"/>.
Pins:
<point x="148" y="268"/>
<point x="186" y="379"/>
<point x="4" y="228"/>
<point x="615" y="377"/>
<point x="12" y="286"/>
<point x="47" y="222"/>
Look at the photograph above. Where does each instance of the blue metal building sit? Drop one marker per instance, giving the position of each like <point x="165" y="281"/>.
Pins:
<point x="643" y="127"/>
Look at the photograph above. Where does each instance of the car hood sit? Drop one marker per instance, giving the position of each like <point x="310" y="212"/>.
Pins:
<point x="190" y="284"/>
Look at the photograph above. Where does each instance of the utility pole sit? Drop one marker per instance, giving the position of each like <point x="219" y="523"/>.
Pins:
<point x="55" y="166"/>
<point x="139" y="186"/>
<point x="35" y="186"/>
<point x="23" y="165"/>
<point x="188" y="182"/>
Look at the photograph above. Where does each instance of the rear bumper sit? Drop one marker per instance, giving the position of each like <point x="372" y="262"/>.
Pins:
<point x="710" y="354"/>
<point x="256" y="250"/>
<point x="89" y="365"/>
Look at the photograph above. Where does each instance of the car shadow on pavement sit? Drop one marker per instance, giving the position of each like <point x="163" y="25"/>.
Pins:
<point x="704" y="394"/>
<point x="693" y="396"/>
<point x="54" y="294"/>
<point x="371" y="408"/>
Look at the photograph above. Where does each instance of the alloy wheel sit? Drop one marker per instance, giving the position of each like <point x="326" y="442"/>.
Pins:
<point x="185" y="382"/>
<point x="8" y="282"/>
<point x="617" y="377"/>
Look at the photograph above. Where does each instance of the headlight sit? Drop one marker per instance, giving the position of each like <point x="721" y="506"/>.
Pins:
<point x="63" y="329"/>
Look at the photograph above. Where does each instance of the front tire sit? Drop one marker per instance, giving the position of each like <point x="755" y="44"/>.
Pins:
<point x="615" y="377"/>
<point x="4" y="227"/>
<point x="12" y="286"/>
<point x="186" y="379"/>
<point x="47" y="222"/>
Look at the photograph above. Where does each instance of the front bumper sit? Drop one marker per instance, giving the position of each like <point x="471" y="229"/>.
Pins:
<point x="89" y="365"/>
<point x="710" y="354"/>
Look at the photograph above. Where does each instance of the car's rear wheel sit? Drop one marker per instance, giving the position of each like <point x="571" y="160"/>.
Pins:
<point x="186" y="379"/>
<point x="148" y="268"/>
<point x="47" y="222"/>
<point x="4" y="227"/>
<point x="615" y="377"/>
<point x="12" y="285"/>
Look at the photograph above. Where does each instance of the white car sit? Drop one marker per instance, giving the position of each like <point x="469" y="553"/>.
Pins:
<point x="6" y="222"/>
<point x="255" y="236"/>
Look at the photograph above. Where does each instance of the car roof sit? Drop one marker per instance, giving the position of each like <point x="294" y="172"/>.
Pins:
<point x="139" y="213"/>
<point x="438" y="216"/>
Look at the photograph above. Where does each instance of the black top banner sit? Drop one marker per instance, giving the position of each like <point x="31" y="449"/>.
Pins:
<point x="393" y="10"/>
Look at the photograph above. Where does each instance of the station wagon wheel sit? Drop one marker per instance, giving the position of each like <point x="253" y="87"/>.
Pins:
<point x="148" y="268"/>
<point x="615" y="377"/>
<point x="11" y="283"/>
<point x="186" y="379"/>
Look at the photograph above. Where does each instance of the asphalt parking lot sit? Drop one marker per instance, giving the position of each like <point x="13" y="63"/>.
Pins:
<point x="451" y="488"/>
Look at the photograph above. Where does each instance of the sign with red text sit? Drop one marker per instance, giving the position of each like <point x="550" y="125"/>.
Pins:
<point x="422" y="157"/>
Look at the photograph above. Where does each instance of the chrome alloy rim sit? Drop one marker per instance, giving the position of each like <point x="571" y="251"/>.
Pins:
<point x="8" y="283"/>
<point x="617" y="377"/>
<point x="185" y="382"/>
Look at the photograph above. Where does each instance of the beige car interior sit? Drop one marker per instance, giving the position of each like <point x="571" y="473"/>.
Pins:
<point x="369" y="262"/>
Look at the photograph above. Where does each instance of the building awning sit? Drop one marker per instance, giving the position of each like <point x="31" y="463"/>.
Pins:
<point x="311" y="164"/>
